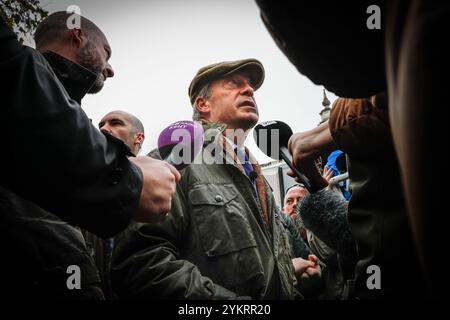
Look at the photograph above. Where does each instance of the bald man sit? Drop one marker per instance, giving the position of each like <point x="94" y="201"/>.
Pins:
<point x="124" y="126"/>
<point x="129" y="129"/>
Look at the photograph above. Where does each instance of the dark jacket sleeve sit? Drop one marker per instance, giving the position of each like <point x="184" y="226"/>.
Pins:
<point x="52" y="155"/>
<point x="147" y="262"/>
<point x="359" y="128"/>
<point x="324" y="213"/>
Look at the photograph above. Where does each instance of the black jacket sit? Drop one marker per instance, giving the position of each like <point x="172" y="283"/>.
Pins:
<point x="52" y="155"/>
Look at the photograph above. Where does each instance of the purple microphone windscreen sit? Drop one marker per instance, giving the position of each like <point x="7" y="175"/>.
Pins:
<point x="181" y="142"/>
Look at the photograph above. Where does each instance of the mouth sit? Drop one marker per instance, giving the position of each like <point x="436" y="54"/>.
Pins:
<point x="247" y="103"/>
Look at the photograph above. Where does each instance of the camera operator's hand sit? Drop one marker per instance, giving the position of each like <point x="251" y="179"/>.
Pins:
<point x="307" y="270"/>
<point x="158" y="187"/>
<point x="306" y="148"/>
<point x="328" y="173"/>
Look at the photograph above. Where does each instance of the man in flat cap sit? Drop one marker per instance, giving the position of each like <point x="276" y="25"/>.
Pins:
<point x="224" y="238"/>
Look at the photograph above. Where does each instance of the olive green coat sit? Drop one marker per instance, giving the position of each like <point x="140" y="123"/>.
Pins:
<point x="214" y="244"/>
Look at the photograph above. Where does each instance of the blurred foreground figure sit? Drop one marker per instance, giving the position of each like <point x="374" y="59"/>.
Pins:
<point x="332" y="45"/>
<point x="59" y="167"/>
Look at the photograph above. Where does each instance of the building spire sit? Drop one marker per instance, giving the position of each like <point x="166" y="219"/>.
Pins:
<point x="325" y="101"/>
<point x="325" y="113"/>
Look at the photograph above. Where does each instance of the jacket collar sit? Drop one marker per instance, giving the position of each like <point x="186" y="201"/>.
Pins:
<point x="76" y="79"/>
<point x="213" y="134"/>
<point x="211" y="130"/>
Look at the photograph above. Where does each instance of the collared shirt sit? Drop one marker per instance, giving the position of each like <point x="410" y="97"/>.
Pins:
<point x="245" y="162"/>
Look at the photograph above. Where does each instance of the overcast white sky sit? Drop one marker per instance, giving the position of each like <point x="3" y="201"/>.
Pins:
<point x="158" y="46"/>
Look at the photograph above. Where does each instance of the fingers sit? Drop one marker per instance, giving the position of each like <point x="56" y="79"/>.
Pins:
<point x="175" y="172"/>
<point x="328" y="173"/>
<point x="158" y="189"/>
<point x="290" y="143"/>
<point x="313" y="259"/>
<point x="290" y="173"/>
<point x="300" y="265"/>
<point x="313" y="272"/>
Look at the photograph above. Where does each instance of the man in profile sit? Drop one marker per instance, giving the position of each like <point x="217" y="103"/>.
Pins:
<point x="69" y="171"/>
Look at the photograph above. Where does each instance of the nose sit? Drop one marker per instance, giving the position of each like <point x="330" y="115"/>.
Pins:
<point x="247" y="90"/>
<point x="109" y="71"/>
<point x="106" y="129"/>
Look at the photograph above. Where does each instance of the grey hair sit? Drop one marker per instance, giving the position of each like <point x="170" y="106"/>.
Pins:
<point x="204" y="93"/>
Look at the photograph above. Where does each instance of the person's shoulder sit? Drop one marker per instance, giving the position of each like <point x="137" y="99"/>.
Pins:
<point x="154" y="154"/>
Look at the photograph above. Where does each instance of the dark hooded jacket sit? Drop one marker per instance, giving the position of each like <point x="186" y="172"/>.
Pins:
<point x="52" y="154"/>
<point x="56" y="167"/>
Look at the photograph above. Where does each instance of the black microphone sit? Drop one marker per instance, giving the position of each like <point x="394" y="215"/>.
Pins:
<point x="280" y="132"/>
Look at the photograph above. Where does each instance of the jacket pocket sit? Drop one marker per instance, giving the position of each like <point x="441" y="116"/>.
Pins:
<point x="222" y="226"/>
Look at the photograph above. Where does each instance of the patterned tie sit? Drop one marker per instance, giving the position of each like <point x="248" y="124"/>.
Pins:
<point x="248" y="168"/>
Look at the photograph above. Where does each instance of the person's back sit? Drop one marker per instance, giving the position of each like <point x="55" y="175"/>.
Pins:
<point x="377" y="213"/>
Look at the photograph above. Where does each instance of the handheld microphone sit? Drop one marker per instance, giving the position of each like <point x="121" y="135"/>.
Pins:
<point x="180" y="143"/>
<point x="280" y="132"/>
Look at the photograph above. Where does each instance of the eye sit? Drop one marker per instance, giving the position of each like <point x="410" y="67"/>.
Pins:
<point x="231" y="83"/>
<point x="108" y="53"/>
<point x="116" y="122"/>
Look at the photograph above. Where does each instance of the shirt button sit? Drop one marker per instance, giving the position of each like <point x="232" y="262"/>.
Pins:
<point x="218" y="198"/>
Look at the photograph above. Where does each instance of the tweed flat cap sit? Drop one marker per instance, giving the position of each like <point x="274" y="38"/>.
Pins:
<point x="252" y="67"/>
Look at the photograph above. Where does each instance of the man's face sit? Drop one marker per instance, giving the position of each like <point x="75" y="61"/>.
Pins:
<point x="119" y="125"/>
<point x="292" y="199"/>
<point x="232" y="102"/>
<point x="94" y="55"/>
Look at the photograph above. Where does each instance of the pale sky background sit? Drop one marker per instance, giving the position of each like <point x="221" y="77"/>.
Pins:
<point x="159" y="45"/>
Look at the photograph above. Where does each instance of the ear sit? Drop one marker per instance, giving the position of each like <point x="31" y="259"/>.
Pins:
<point x="203" y="106"/>
<point x="78" y="37"/>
